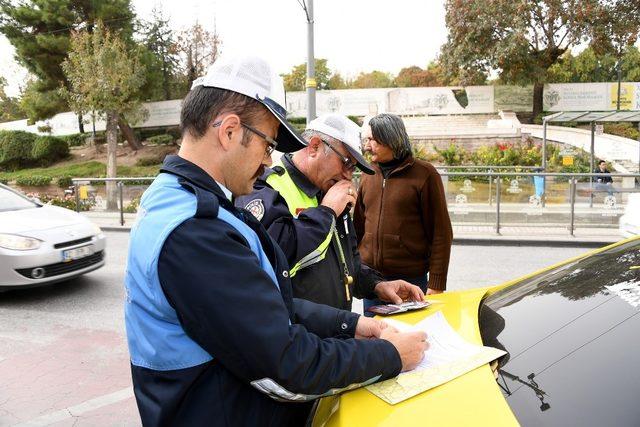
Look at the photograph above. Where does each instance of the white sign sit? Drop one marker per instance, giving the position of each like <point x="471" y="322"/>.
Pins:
<point x="350" y="102"/>
<point x="576" y="97"/>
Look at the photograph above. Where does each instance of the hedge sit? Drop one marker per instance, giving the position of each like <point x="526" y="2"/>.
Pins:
<point x="164" y="139"/>
<point x="16" y="149"/>
<point x="76" y="139"/>
<point x="49" y="149"/>
<point x="34" y="180"/>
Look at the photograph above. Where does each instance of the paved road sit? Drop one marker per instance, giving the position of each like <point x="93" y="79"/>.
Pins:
<point x="63" y="358"/>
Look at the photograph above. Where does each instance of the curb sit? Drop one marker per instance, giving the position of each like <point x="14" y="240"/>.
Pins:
<point x="568" y="242"/>
<point x="572" y="242"/>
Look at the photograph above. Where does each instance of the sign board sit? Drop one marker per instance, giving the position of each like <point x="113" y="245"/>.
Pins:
<point x="567" y="160"/>
<point x="591" y="96"/>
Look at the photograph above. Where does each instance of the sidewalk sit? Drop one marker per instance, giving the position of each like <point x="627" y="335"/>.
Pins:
<point x="539" y="234"/>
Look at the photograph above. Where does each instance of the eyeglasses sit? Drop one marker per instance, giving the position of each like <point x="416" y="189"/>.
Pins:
<point x="271" y="143"/>
<point x="348" y="164"/>
<point x="365" y="140"/>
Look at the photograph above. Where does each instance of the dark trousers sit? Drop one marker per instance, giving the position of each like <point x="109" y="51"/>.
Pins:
<point x="418" y="281"/>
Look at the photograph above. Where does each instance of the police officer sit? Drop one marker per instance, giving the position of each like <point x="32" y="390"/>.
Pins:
<point x="304" y="202"/>
<point x="214" y="335"/>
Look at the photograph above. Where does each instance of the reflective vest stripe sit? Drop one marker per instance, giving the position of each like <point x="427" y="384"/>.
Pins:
<point x="296" y="199"/>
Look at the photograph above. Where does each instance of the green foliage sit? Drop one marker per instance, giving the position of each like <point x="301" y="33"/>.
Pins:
<point x="81" y="170"/>
<point x="588" y="66"/>
<point x="415" y="76"/>
<point x="132" y="207"/>
<point x="64" y="181"/>
<point x="34" y="181"/>
<point x="625" y="130"/>
<point x="453" y="155"/>
<point x="150" y="161"/>
<point x="49" y="149"/>
<point x="104" y="73"/>
<point x="66" y="202"/>
<point x="296" y="79"/>
<point x="163" y="139"/>
<point x="373" y="79"/>
<point x="9" y="107"/>
<point x="75" y="140"/>
<point x="16" y="149"/>
<point x="39" y="32"/>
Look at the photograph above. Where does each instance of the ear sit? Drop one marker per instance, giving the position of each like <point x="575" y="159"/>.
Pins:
<point x="229" y="130"/>
<point x="315" y="146"/>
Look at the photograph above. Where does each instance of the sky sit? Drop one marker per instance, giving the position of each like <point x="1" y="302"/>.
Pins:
<point x="353" y="35"/>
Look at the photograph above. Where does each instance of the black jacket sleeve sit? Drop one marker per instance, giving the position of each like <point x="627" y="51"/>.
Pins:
<point x="367" y="278"/>
<point x="230" y="306"/>
<point x="297" y="237"/>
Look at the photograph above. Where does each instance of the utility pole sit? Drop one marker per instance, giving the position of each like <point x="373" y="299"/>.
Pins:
<point x="619" y="81"/>
<point x="307" y="6"/>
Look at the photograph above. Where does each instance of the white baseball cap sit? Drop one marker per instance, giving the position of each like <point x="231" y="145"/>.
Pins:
<point x="344" y="130"/>
<point x="254" y="77"/>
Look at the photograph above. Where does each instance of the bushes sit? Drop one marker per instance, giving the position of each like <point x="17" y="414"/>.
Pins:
<point x="453" y="155"/>
<point x="64" y="181"/>
<point x="20" y="149"/>
<point x="75" y="140"/>
<point x="48" y="150"/>
<point x="164" y="139"/>
<point x="626" y="130"/>
<point x="16" y="149"/>
<point x="34" y="180"/>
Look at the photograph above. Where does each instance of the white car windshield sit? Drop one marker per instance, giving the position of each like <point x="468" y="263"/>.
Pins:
<point x="10" y="201"/>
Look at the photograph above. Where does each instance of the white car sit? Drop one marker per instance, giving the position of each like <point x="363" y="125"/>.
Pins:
<point x="630" y="221"/>
<point x="44" y="244"/>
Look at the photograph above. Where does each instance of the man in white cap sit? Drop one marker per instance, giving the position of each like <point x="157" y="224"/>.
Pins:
<point x="304" y="203"/>
<point x="214" y="335"/>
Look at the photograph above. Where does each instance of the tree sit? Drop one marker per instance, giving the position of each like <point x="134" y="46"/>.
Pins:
<point x="588" y="66"/>
<point x="521" y="39"/>
<point x="162" y="61"/>
<point x="415" y="76"/>
<point x="103" y="74"/>
<point x="9" y="106"/>
<point x="198" y="49"/>
<point x="40" y="30"/>
<point x="297" y="78"/>
<point x="373" y="79"/>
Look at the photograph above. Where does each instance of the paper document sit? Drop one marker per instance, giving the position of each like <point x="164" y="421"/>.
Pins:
<point x="448" y="357"/>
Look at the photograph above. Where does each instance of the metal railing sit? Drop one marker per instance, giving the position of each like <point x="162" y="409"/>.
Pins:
<point x="571" y="177"/>
<point x="120" y="182"/>
<point x="494" y="180"/>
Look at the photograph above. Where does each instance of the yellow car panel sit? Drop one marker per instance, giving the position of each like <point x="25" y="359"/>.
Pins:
<point x="473" y="399"/>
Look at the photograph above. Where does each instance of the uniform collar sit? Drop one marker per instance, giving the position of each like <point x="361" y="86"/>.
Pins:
<point x="183" y="168"/>
<point x="298" y="178"/>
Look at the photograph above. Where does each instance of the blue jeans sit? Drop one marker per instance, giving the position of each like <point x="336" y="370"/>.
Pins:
<point x="418" y="281"/>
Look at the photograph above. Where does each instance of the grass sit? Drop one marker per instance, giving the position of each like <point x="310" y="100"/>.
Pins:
<point x="91" y="169"/>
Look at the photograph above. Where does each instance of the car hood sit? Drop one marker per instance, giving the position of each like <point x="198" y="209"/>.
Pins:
<point x="572" y="341"/>
<point x="39" y="219"/>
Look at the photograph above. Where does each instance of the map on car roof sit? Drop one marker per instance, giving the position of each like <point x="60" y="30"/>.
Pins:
<point x="448" y="357"/>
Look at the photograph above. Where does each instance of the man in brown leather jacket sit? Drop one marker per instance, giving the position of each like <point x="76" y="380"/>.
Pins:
<point x="401" y="216"/>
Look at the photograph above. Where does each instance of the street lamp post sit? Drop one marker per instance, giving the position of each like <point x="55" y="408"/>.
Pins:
<point x="311" y="65"/>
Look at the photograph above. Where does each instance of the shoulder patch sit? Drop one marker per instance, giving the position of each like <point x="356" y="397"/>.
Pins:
<point x="256" y="207"/>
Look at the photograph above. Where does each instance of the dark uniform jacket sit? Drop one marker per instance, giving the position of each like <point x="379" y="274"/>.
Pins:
<point x="322" y="282"/>
<point x="269" y="353"/>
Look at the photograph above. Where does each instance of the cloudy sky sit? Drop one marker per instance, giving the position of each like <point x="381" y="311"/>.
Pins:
<point x="354" y="35"/>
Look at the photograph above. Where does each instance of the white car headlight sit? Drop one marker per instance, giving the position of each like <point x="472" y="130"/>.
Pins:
<point x="18" y="243"/>
<point x="96" y="229"/>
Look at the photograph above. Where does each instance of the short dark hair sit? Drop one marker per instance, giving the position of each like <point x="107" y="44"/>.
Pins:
<point x="601" y="162"/>
<point x="203" y="104"/>
<point x="389" y="130"/>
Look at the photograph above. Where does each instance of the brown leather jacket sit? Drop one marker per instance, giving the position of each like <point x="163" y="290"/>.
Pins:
<point x="402" y="222"/>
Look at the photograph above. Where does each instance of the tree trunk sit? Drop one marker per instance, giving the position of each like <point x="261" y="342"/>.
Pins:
<point x="537" y="100"/>
<point x="80" y="124"/>
<point x="112" y="146"/>
<point x="128" y="134"/>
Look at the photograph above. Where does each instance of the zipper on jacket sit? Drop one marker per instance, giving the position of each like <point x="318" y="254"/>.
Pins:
<point x="380" y="257"/>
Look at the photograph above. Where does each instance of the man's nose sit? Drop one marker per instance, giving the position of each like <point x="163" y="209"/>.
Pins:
<point x="347" y="174"/>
